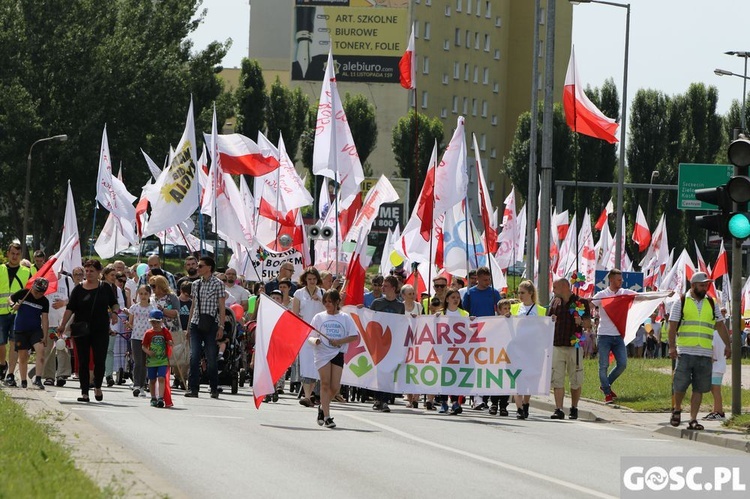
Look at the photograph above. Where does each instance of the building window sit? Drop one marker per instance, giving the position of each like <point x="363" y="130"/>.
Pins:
<point x="466" y="72"/>
<point x="493" y="120"/>
<point x="443" y="113"/>
<point x="416" y="29"/>
<point x="411" y="99"/>
<point x="459" y="5"/>
<point x="484" y="109"/>
<point x="486" y="76"/>
<point x="473" y="107"/>
<point x="542" y="16"/>
<point x="424" y="100"/>
<point x="446" y="45"/>
<point x="457" y="40"/>
<point x="487" y="9"/>
<point x="426" y="65"/>
<point x="495" y="88"/>
<point x="445" y="78"/>
<point x="498" y="22"/>
<point x="539" y="84"/>
<point x="468" y="39"/>
<point x="426" y="31"/>
<point x="476" y="41"/>
<point x="447" y="11"/>
<point x="486" y="43"/>
<point x="540" y="50"/>
<point x="497" y="54"/>
<point x="479" y="8"/>
<point x="483" y="142"/>
<point x="428" y="2"/>
<point x="476" y="74"/>
<point x="493" y="153"/>
<point x="466" y="106"/>
<point x="455" y="105"/>
<point x="456" y="70"/>
<point x="468" y="6"/>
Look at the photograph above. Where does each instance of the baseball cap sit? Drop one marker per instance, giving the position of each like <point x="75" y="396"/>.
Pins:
<point x="155" y="315"/>
<point x="40" y="284"/>
<point x="700" y="278"/>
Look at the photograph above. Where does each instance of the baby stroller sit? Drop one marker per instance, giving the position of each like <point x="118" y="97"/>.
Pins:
<point x="248" y="347"/>
<point x="229" y="369"/>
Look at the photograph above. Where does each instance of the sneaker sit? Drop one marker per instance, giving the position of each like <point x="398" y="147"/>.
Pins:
<point x="520" y="414"/>
<point x="482" y="406"/>
<point x="10" y="379"/>
<point x="526" y="410"/>
<point x="24" y="383"/>
<point x="110" y="382"/>
<point x="456" y="409"/>
<point x="415" y="405"/>
<point x="136" y="392"/>
<point x="503" y="411"/>
<point x="493" y="410"/>
<point x="153" y="402"/>
<point x="38" y="384"/>
<point x="144" y="392"/>
<point x="573" y="413"/>
<point x="215" y="394"/>
<point x="275" y="397"/>
<point x="329" y="423"/>
<point x="321" y="417"/>
<point x="191" y="394"/>
<point x="267" y="399"/>
<point x="49" y="382"/>
<point x="377" y="406"/>
<point x="60" y="382"/>
<point x="384" y="407"/>
<point x="609" y="398"/>
<point x="429" y="406"/>
<point x="714" y="416"/>
<point x="558" y="414"/>
<point x="159" y="403"/>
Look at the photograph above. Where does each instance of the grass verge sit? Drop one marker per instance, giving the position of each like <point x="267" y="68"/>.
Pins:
<point x="741" y="422"/>
<point x="34" y="465"/>
<point x="643" y="388"/>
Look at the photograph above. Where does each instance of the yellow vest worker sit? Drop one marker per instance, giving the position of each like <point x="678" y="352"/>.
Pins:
<point x="696" y="328"/>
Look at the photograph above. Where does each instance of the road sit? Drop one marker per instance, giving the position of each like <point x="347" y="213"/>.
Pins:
<point x="226" y="447"/>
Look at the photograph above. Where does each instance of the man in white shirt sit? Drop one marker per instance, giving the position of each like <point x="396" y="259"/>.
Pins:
<point x="239" y="293"/>
<point x="609" y="338"/>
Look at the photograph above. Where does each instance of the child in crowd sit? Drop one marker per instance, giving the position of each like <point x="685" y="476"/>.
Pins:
<point x="138" y="316"/>
<point x="503" y="307"/>
<point x="156" y="343"/>
<point x="31" y="321"/>
<point x="717" y="376"/>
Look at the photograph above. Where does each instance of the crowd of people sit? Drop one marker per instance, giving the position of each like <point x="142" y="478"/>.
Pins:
<point x="104" y="324"/>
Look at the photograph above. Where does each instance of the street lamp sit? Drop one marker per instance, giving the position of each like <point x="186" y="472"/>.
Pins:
<point x="58" y="138"/>
<point x="623" y="124"/>
<point x="654" y="174"/>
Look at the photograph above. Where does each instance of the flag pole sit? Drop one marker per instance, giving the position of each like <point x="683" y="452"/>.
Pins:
<point x="93" y="230"/>
<point x="416" y="146"/>
<point x="335" y="170"/>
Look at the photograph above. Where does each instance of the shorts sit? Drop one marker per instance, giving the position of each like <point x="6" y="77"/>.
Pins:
<point x="157" y="371"/>
<point x="717" y="378"/>
<point x="692" y="370"/>
<point x="338" y="360"/>
<point x="564" y="361"/>
<point x="25" y="340"/>
<point x="6" y="328"/>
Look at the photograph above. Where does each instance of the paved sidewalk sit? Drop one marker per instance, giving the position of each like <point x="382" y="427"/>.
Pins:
<point x="657" y="422"/>
<point x="110" y="465"/>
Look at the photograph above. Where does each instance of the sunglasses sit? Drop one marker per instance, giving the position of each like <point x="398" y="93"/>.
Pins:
<point x="122" y="280"/>
<point x="201" y="265"/>
<point x="438" y="286"/>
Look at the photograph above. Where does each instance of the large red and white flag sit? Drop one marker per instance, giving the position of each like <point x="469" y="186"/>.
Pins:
<point x="507" y="241"/>
<point x="586" y="256"/>
<point x="485" y="204"/>
<point x="407" y="66"/>
<point x="608" y="208"/>
<point x="52" y="267"/>
<point x="628" y="312"/>
<point x="381" y="192"/>
<point x="70" y="229"/>
<point x="641" y="234"/>
<point x="240" y="155"/>
<point x="334" y="152"/>
<point x="581" y="114"/>
<point x="110" y="191"/>
<point x="451" y="176"/>
<point x="356" y="272"/>
<point x="657" y="254"/>
<point x="175" y="195"/>
<point x="721" y="267"/>
<point x="279" y="336"/>
<point x="567" y="262"/>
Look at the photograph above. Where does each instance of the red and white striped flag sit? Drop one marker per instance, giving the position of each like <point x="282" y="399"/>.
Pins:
<point x="357" y="271"/>
<point x="609" y="208"/>
<point x="240" y="155"/>
<point x="628" y="312"/>
<point x="407" y="66"/>
<point x="641" y="234"/>
<point x="721" y="267"/>
<point x="52" y="267"/>
<point x="279" y="336"/>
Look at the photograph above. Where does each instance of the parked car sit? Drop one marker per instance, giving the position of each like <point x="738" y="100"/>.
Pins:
<point x="517" y="268"/>
<point x="171" y="251"/>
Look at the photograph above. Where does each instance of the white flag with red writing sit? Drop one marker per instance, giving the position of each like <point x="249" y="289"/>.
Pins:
<point x="381" y="192"/>
<point x="110" y="191"/>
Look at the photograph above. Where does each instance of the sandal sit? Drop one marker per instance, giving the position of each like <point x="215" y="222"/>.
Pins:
<point x="694" y="425"/>
<point x="676" y="418"/>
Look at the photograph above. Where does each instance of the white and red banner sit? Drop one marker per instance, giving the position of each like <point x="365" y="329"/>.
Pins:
<point x="628" y="312"/>
<point x="70" y="229"/>
<point x="407" y="66"/>
<point x="641" y="234"/>
<point x="279" y="336"/>
<point x="608" y="208"/>
<point x="439" y="354"/>
<point x="110" y="191"/>
<point x="52" y="267"/>
<point x="239" y="155"/>
<point x="381" y="192"/>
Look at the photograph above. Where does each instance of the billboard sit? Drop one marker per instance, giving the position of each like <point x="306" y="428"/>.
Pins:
<point x="367" y="37"/>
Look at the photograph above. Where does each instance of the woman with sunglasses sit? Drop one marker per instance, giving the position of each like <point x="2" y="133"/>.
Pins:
<point x="527" y="306"/>
<point x="95" y="305"/>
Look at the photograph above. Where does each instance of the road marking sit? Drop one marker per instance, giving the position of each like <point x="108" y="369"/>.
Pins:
<point x="217" y="417"/>
<point x="499" y="464"/>
<point x="94" y="409"/>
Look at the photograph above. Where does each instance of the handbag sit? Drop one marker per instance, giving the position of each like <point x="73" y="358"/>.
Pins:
<point x="81" y="328"/>
<point x="205" y="321"/>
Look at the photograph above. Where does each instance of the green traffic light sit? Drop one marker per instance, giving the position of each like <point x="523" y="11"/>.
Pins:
<point x="739" y="226"/>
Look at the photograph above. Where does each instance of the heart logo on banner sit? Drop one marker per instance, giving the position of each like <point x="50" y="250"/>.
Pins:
<point x="377" y="341"/>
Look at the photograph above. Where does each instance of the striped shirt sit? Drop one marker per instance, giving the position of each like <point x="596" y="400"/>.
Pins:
<point x="210" y="290"/>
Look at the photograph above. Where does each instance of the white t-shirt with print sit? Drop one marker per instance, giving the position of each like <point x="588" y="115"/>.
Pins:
<point x="140" y="320"/>
<point x="335" y="327"/>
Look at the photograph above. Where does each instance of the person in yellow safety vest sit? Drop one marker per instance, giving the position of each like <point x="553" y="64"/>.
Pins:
<point x="13" y="277"/>
<point x="39" y="259"/>
<point x="692" y="322"/>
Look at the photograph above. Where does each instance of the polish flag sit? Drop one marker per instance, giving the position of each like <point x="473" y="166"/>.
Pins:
<point x="407" y="66"/>
<point x="485" y="204"/>
<point x="356" y="272"/>
<point x="562" y="223"/>
<point x="240" y="155"/>
<point x="426" y="203"/>
<point x="279" y="336"/>
<point x="417" y="282"/>
<point x="609" y="208"/>
<point x="628" y="312"/>
<point x="721" y="267"/>
<point x="641" y="234"/>
<point x="52" y="267"/>
<point x="581" y="114"/>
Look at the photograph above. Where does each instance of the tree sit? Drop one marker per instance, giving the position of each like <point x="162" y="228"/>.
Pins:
<point x="360" y="115"/>
<point x="402" y="142"/>
<point x="251" y="99"/>
<point x="286" y="114"/>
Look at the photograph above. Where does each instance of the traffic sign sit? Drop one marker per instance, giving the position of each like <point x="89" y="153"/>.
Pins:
<point x="630" y="280"/>
<point x="693" y="176"/>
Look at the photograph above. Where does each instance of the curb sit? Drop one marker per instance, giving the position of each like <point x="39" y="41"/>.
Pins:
<point x="706" y="437"/>
<point x="583" y="414"/>
<point x="108" y="464"/>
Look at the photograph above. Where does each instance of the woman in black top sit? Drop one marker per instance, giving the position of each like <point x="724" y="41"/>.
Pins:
<point x="94" y="303"/>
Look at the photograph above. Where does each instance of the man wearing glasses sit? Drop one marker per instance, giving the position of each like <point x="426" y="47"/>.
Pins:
<point x="154" y="263"/>
<point x="440" y="284"/>
<point x="377" y="290"/>
<point x="285" y="272"/>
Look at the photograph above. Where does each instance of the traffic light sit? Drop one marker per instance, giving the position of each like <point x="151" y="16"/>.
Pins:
<point x="718" y="222"/>
<point x="738" y="189"/>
